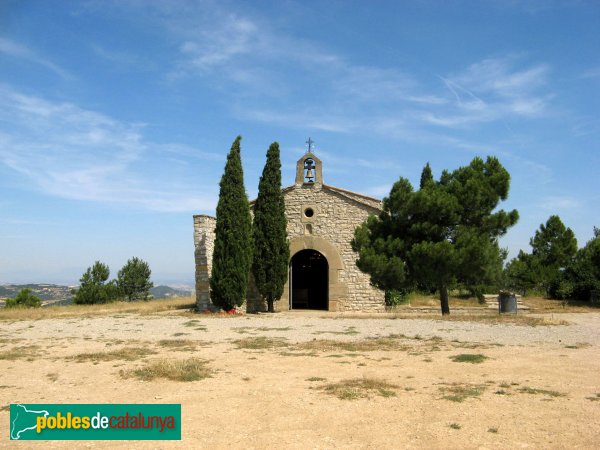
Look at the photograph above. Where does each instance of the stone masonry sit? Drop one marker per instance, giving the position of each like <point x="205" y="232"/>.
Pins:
<point x="321" y="218"/>
<point x="204" y="244"/>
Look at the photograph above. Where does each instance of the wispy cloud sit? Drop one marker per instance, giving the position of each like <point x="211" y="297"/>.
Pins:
<point x="379" y="191"/>
<point x="349" y="96"/>
<point x="270" y="75"/>
<point x="215" y="46"/>
<point x="69" y="152"/>
<point x="557" y="203"/>
<point x="491" y="90"/>
<point x="123" y="58"/>
<point x="16" y="50"/>
<point x="585" y="126"/>
<point x="594" y="72"/>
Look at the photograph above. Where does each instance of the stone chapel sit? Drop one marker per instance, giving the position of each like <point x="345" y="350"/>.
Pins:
<point x="321" y="220"/>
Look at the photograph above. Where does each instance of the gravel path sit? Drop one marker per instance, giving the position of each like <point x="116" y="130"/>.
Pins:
<point x="300" y="327"/>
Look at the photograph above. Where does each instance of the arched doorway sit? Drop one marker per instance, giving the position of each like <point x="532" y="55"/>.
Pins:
<point x="309" y="281"/>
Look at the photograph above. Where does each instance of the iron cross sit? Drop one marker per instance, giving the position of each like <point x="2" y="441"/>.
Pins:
<point x="310" y="143"/>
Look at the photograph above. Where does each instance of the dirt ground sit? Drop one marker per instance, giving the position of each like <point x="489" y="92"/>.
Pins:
<point x="292" y="389"/>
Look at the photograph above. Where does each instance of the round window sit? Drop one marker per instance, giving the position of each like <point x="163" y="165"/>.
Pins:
<point x="308" y="212"/>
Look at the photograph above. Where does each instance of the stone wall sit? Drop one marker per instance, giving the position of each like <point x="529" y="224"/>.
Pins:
<point x="204" y="244"/>
<point x="336" y="214"/>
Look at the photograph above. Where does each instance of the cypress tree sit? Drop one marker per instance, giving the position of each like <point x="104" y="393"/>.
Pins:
<point x="426" y="176"/>
<point x="232" y="255"/>
<point x="271" y="250"/>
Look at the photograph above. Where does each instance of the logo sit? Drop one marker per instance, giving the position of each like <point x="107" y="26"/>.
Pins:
<point x="42" y="422"/>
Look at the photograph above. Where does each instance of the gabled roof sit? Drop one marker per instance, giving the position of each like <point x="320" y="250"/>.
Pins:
<point x="346" y="191"/>
<point x="371" y="202"/>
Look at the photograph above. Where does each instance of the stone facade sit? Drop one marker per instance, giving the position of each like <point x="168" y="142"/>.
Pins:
<point x="204" y="244"/>
<point x="320" y="218"/>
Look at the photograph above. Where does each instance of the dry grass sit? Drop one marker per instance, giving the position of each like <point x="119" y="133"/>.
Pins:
<point x="274" y="328"/>
<point x="420" y="300"/>
<point x="256" y="330"/>
<point x="391" y="342"/>
<point x="182" y="345"/>
<point x="108" y="309"/>
<point x="579" y="345"/>
<point x="52" y="376"/>
<point x="123" y="354"/>
<point x="316" y="379"/>
<point x="458" y="392"/>
<point x="488" y="317"/>
<point x="535" y="391"/>
<point x="348" y="331"/>
<point x="469" y="358"/>
<point x="260" y="342"/>
<point x="196" y="324"/>
<point x="360" y="388"/>
<point x="244" y="330"/>
<point x="353" y="348"/>
<point x="192" y="369"/>
<point x="535" y="303"/>
<point x="544" y="305"/>
<point x="26" y="352"/>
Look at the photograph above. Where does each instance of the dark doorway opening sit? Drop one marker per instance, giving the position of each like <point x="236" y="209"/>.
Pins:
<point x="309" y="282"/>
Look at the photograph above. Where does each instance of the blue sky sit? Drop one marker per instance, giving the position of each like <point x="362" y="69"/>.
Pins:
<point x="116" y="117"/>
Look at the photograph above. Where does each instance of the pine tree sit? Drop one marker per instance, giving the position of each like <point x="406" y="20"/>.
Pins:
<point x="271" y="250"/>
<point x="554" y="244"/>
<point x="441" y="235"/>
<point x="93" y="287"/>
<point x="554" y="247"/>
<point x="24" y="299"/>
<point x="134" y="279"/>
<point x="426" y="176"/>
<point x="584" y="272"/>
<point x="232" y="255"/>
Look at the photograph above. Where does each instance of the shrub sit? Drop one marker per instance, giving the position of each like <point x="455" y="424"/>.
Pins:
<point x="24" y="299"/>
<point x="395" y="297"/>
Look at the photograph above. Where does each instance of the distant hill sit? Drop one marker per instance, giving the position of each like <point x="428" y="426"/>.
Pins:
<point x="54" y="294"/>
<point x="49" y="292"/>
<point x="169" y="292"/>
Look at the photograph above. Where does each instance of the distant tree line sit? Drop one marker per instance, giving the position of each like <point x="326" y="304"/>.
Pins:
<point x="556" y="267"/>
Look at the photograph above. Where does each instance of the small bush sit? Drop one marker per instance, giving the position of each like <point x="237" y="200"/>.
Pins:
<point x="535" y="391"/>
<point x="460" y="392"/>
<point x="395" y="297"/>
<point x="470" y="358"/>
<point x="360" y="388"/>
<point x="24" y="299"/>
<point x="123" y="354"/>
<point x="193" y="369"/>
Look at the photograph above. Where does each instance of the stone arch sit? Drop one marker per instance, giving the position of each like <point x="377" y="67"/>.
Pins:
<point x="309" y="278"/>
<point x="337" y="290"/>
